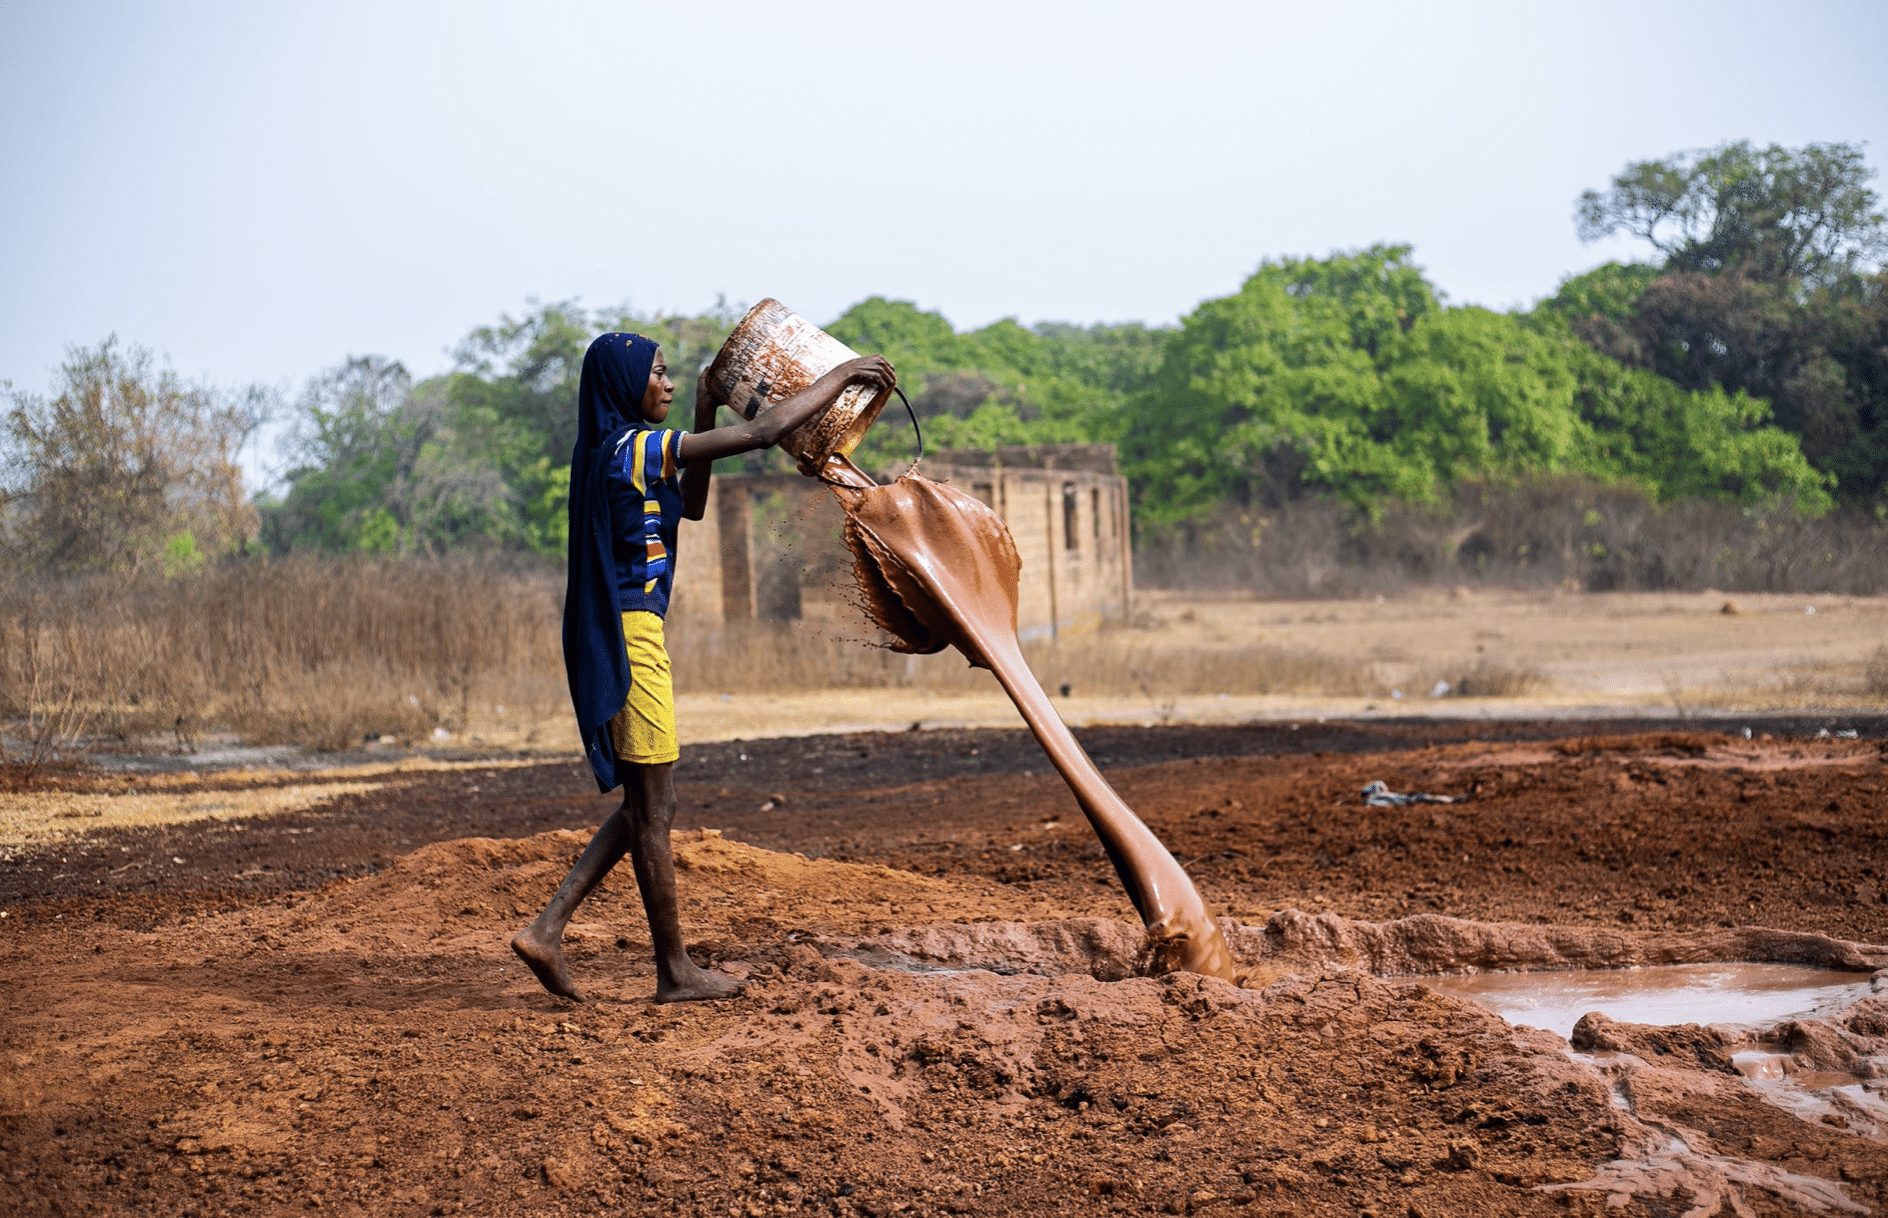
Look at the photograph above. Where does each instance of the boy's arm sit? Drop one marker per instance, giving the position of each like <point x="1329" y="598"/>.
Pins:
<point x="695" y="476"/>
<point x="767" y="427"/>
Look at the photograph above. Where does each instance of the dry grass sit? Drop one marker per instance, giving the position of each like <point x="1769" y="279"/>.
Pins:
<point x="775" y="658"/>
<point x="36" y="817"/>
<point x="321" y="653"/>
<point x="81" y="802"/>
<point x="329" y="653"/>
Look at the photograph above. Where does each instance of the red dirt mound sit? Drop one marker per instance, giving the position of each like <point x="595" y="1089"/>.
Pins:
<point x="948" y="1020"/>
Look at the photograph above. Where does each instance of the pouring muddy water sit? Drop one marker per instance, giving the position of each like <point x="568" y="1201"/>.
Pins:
<point x="938" y="568"/>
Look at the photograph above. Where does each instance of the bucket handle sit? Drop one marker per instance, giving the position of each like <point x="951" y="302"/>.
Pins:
<point x="915" y="429"/>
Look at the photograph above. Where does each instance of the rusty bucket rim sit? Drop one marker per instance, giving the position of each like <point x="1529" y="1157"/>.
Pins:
<point x="711" y="375"/>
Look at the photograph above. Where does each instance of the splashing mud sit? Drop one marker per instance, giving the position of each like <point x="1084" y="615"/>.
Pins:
<point x="938" y="568"/>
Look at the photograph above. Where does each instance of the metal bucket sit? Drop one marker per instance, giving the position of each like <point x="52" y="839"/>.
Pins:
<point x="772" y="355"/>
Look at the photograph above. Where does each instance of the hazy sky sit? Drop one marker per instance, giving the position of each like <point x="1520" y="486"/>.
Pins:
<point x="261" y="189"/>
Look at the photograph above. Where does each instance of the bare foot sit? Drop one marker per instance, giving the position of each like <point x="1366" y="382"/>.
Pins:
<point x="698" y="985"/>
<point x="545" y="955"/>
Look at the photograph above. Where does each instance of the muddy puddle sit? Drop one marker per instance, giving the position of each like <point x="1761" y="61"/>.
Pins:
<point x="1829" y="1097"/>
<point x="1774" y="1027"/>
<point x="1738" y="994"/>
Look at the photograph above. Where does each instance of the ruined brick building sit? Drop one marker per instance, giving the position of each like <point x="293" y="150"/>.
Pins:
<point x="770" y="547"/>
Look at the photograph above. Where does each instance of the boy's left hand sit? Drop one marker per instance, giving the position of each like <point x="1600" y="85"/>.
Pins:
<point x="874" y="370"/>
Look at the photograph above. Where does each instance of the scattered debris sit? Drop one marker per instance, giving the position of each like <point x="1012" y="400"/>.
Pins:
<point x="1379" y="795"/>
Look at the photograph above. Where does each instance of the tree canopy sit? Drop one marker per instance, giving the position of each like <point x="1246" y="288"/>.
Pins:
<point x="1747" y="362"/>
<point x="1781" y="215"/>
<point x="1346" y="375"/>
<point x="1771" y="286"/>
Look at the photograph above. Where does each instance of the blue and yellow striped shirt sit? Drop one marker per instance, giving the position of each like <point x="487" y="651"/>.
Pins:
<point x="645" y="509"/>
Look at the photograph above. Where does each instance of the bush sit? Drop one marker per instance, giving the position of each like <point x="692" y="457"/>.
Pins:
<point x="1545" y="532"/>
<point x="1875" y="673"/>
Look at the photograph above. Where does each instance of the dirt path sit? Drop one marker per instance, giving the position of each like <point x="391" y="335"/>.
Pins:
<point x="315" y="1010"/>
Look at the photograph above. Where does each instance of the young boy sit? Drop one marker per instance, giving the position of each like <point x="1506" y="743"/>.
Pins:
<point x="631" y="483"/>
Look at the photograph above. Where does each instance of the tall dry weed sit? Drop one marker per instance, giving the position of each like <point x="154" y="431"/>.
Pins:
<point x="329" y="652"/>
<point x="1549" y="532"/>
<point x="320" y="652"/>
<point x="1875" y="673"/>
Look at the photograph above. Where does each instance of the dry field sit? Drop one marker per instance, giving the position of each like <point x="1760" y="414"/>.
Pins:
<point x="1188" y="658"/>
<point x="345" y="657"/>
<point x="259" y="980"/>
<point x="314" y="1010"/>
<point x="1183" y="659"/>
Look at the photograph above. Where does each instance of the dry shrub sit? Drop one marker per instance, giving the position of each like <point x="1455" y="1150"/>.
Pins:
<point x="48" y="718"/>
<point x="1807" y="681"/>
<point x="1299" y="548"/>
<point x="1495" y="679"/>
<point x="1875" y="673"/>
<point x="1547" y="532"/>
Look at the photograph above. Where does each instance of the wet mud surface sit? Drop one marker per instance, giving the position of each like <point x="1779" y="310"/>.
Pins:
<point x="316" y="1012"/>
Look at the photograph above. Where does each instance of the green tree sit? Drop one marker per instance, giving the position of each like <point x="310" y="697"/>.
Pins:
<point x="383" y="464"/>
<point x="1688" y="444"/>
<point x="1278" y="389"/>
<point x="1766" y="291"/>
<point x="1348" y="377"/>
<point x="478" y="457"/>
<point x="1002" y="384"/>
<point x="1783" y="215"/>
<point x="353" y="442"/>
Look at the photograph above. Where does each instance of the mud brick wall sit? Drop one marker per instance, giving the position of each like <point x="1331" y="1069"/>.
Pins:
<point x="700" y="591"/>
<point x="1070" y="528"/>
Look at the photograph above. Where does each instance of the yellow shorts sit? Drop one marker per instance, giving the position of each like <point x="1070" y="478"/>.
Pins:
<point x="644" y="730"/>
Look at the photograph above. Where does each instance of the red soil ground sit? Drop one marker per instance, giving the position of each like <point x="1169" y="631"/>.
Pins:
<point x="942" y="1014"/>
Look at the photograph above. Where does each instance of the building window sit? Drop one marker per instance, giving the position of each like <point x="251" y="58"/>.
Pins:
<point x="1069" y="501"/>
<point x="1094" y="514"/>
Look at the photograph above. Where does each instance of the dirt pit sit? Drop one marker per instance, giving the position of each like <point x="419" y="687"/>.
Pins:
<point x="945" y="1012"/>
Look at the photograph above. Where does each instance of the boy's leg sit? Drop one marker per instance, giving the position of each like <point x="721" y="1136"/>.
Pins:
<point x="678" y="979"/>
<point x="540" y="944"/>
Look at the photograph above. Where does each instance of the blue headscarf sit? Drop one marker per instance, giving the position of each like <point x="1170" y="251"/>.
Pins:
<point x="609" y="404"/>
